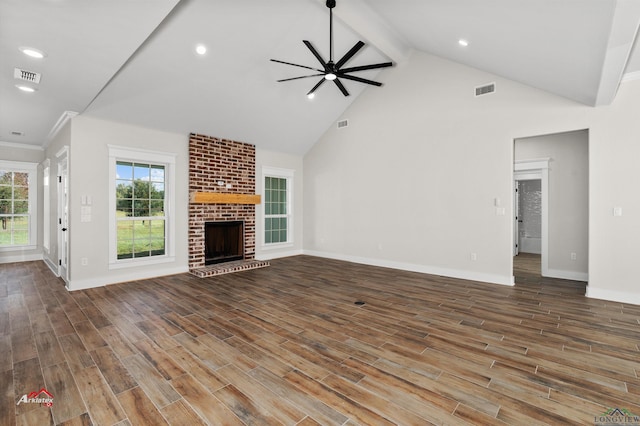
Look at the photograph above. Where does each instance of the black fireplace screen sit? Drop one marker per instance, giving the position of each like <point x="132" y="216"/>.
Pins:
<point x="223" y="241"/>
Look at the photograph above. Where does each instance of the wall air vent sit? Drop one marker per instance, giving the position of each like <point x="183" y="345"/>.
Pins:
<point x="343" y="123"/>
<point x="24" y="75"/>
<point x="486" y="89"/>
<point x="16" y="133"/>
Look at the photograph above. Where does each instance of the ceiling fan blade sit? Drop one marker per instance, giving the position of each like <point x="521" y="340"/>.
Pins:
<point x="349" y="54"/>
<point x="358" y="79"/>
<point x="367" y="67"/>
<point x="315" y="53"/>
<point x="296" y="65"/>
<point x="341" y="87"/>
<point x="297" y="78"/>
<point x="322" y="80"/>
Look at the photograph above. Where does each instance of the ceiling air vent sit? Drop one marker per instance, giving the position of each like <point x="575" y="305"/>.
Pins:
<point x="343" y="123"/>
<point x="30" y="76"/>
<point x="486" y="89"/>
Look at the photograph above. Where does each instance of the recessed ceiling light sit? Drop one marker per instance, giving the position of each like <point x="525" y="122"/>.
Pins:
<point x="201" y="49"/>
<point x="462" y="42"/>
<point x="24" y="88"/>
<point x="34" y="53"/>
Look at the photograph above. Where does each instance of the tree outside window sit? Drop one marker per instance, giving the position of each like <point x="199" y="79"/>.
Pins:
<point x="14" y="208"/>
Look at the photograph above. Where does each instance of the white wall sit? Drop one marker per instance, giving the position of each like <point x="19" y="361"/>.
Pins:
<point x="413" y="180"/>
<point x="568" y="198"/>
<point x="287" y="162"/>
<point x="11" y="152"/>
<point x="89" y="176"/>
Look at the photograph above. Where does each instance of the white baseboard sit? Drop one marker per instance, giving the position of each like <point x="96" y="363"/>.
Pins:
<point x="51" y="264"/>
<point x="133" y="276"/>
<point x="614" y="296"/>
<point x="276" y="255"/>
<point x="425" y="269"/>
<point x="567" y="275"/>
<point x="20" y="258"/>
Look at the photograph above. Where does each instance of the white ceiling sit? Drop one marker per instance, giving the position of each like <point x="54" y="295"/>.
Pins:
<point x="133" y="61"/>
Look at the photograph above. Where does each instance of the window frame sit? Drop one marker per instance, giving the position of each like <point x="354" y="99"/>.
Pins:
<point x="288" y="175"/>
<point x="32" y="175"/>
<point x="143" y="156"/>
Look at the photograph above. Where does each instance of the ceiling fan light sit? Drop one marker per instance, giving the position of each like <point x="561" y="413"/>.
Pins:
<point x="330" y="76"/>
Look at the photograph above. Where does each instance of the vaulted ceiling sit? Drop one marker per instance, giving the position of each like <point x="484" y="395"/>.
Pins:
<point x="134" y="61"/>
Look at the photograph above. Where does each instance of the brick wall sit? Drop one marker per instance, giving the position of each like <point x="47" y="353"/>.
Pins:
<point x="212" y="160"/>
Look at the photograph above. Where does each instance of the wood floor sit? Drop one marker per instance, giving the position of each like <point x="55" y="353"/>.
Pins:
<point x="526" y="269"/>
<point x="289" y="345"/>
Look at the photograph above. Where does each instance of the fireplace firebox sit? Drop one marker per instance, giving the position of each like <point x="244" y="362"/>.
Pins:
<point x="223" y="241"/>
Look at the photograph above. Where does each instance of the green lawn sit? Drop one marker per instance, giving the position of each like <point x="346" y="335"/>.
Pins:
<point x="19" y="227"/>
<point x="140" y="238"/>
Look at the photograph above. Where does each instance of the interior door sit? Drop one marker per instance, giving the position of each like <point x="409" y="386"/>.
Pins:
<point x="63" y="217"/>
<point x="516" y="209"/>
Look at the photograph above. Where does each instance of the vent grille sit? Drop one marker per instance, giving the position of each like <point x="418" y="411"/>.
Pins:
<point x="24" y="75"/>
<point x="486" y="89"/>
<point x="343" y="123"/>
<point x="16" y="133"/>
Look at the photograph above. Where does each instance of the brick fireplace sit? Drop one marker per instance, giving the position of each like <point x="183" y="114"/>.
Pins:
<point x="225" y="168"/>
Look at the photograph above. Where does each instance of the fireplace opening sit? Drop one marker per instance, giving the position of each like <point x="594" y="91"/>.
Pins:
<point x="223" y="241"/>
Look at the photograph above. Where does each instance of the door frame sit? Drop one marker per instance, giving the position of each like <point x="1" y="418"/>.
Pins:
<point x="63" y="213"/>
<point x="534" y="169"/>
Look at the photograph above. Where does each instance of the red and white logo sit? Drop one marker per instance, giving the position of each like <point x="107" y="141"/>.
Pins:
<point x="40" y="397"/>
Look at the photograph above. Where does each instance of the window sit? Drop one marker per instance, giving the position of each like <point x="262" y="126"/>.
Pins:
<point x="141" y="199"/>
<point x="277" y="206"/>
<point x="18" y="195"/>
<point x="140" y="209"/>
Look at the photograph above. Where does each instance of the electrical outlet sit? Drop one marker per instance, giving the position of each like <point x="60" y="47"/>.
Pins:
<point x="84" y="261"/>
<point x="474" y="256"/>
<point x="574" y="256"/>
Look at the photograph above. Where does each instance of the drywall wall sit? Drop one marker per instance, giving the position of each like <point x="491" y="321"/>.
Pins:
<point x="420" y="177"/>
<point x="291" y="163"/>
<point x="89" y="177"/>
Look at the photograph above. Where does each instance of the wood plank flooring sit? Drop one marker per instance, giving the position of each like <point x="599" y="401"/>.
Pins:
<point x="526" y="269"/>
<point x="288" y="345"/>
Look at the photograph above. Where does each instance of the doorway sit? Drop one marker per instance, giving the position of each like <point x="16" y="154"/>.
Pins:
<point x="556" y="167"/>
<point x="531" y="203"/>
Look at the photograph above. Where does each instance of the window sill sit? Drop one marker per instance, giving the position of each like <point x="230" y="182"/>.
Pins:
<point x="139" y="262"/>
<point x="19" y="248"/>
<point x="276" y="246"/>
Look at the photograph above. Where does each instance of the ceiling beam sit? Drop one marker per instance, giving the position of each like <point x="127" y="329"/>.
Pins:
<point x="359" y="16"/>
<point x="624" y="30"/>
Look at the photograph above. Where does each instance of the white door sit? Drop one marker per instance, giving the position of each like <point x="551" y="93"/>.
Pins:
<point x="63" y="216"/>
<point x="516" y="210"/>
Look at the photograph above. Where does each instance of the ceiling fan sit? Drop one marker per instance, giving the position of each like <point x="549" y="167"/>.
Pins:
<point x="333" y="71"/>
